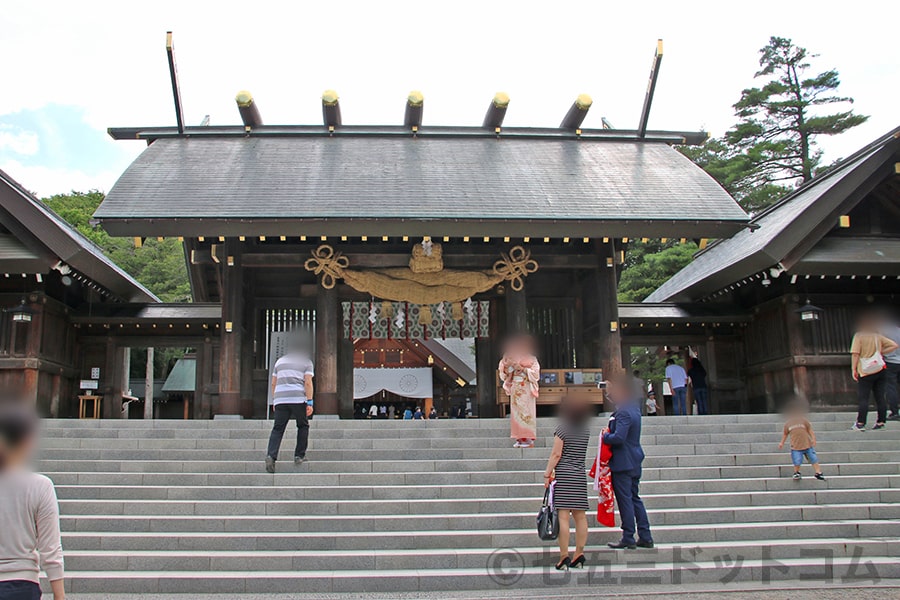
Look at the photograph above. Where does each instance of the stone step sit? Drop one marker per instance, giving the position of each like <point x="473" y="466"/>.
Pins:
<point x="482" y="501"/>
<point x="377" y="480"/>
<point x="429" y="580"/>
<point x="331" y="422"/>
<point x="318" y="455"/>
<point x="254" y="561"/>
<point x="798" y="493"/>
<point x="414" y="434"/>
<point x="291" y="521"/>
<point x="396" y="468"/>
<point x="409" y="539"/>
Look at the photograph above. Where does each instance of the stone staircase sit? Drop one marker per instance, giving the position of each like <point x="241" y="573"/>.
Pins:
<point x="185" y="507"/>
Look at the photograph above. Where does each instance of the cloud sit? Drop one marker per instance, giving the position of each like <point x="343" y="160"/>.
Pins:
<point x="47" y="181"/>
<point x="17" y="141"/>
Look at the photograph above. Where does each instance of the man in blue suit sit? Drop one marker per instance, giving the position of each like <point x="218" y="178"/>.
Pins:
<point x="624" y="437"/>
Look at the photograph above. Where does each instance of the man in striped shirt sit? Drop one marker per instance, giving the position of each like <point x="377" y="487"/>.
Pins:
<point x="292" y="393"/>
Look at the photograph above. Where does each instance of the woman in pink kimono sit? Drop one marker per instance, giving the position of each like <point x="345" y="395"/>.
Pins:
<point x="521" y="374"/>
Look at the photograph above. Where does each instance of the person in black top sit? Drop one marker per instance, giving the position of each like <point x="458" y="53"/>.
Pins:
<point x="697" y="375"/>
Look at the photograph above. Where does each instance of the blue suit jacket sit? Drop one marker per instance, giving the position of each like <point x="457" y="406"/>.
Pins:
<point x="625" y="439"/>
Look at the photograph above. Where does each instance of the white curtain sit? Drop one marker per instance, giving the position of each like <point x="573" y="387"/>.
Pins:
<point x="409" y="383"/>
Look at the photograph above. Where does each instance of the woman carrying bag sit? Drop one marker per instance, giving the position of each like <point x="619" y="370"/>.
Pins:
<point x="867" y="364"/>
<point x="565" y="469"/>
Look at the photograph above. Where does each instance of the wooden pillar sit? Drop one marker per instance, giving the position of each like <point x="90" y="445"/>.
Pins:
<point x="148" y="386"/>
<point x="33" y="352"/>
<point x="516" y="311"/>
<point x="231" y="328"/>
<point x="54" y="396"/>
<point x="798" y="350"/>
<point x="608" y="341"/>
<point x="126" y="373"/>
<point x="205" y="383"/>
<point x="115" y="380"/>
<point x="345" y="377"/>
<point x="326" y="379"/>
<point x="485" y="371"/>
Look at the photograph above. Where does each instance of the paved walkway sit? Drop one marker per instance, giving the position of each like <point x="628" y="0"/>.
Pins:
<point x="884" y="591"/>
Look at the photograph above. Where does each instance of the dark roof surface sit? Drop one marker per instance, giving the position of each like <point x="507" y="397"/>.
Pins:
<point x="48" y="235"/>
<point x="787" y="229"/>
<point x="162" y="312"/>
<point x="851" y="256"/>
<point x="183" y="377"/>
<point x="192" y="186"/>
<point x="674" y="312"/>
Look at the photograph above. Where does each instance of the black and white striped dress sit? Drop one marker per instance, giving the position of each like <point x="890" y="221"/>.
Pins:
<point x="570" y="492"/>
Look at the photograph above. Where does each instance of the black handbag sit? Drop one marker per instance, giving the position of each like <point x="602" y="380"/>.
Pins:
<point x="548" y="518"/>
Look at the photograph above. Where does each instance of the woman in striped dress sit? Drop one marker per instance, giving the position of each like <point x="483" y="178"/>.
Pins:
<point x="566" y="466"/>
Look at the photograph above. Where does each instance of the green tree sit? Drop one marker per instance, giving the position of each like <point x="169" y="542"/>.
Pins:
<point x="650" y="264"/>
<point x="159" y="265"/>
<point x="773" y="148"/>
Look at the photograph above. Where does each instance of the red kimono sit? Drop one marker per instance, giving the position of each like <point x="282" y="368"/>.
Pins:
<point x="603" y="484"/>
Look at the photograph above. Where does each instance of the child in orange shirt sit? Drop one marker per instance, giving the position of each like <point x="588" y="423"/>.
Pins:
<point x="803" y="439"/>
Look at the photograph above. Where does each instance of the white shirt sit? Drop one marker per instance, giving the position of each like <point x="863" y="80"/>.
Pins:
<point x="290" y="373"/>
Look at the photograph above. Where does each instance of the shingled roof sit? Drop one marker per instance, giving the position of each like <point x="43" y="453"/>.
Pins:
<point x="375" y="183"/>
<point x="790" y="230"/>
<point x="42" y="238"/>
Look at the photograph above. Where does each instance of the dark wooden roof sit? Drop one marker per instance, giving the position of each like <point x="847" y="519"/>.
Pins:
<point x="199" y="312"/>
<point x="791" y="229"/>
<point x="46" y="235"/>
<point x="675" y="313"/>
<point x="389" y="184"/>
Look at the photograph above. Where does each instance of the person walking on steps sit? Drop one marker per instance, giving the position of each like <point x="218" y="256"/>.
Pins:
<point x="566" y="467"/>
<point x="623" y="435"/>
<point x="803" y="439"/>
<point x="868" y="370"/>
<point x="292" y="391"/>
<point x="29" y="513"/>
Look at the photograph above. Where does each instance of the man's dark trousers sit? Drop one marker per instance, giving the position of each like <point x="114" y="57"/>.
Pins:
<point x="283" y="414"/>
<point x="631" y="508"/>
<point x="892" y="386"/>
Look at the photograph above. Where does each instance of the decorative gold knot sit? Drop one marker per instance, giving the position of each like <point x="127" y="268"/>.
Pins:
<point x="515" y="267"/>
<point x="327" y="263"/>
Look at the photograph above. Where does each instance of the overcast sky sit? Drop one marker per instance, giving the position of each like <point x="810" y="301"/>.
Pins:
<point x="72" y="69"/>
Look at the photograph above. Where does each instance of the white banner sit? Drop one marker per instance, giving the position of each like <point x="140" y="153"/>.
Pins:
<point x="409" y="383"/>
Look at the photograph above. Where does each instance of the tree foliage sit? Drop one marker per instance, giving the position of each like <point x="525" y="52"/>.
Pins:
<point x="159" y="265"/>
<point x="772" y="148"/>
<point x="650" y="264"/>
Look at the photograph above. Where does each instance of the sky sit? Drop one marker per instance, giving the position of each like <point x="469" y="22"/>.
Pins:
<point x="72" y="69"/>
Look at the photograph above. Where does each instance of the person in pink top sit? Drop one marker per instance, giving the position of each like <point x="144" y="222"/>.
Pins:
<point x="520" y="373"/>
<point x="29" y="512"/>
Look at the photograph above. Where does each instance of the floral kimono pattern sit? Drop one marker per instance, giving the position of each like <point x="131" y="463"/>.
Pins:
<point x="602" y="477"/>
<point x="521" y="383"/>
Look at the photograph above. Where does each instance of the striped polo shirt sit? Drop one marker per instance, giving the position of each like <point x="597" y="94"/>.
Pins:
<point x="290" y="373"/>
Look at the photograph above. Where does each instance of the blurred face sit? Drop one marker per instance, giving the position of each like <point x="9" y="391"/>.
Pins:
<point x="615" y="391"/>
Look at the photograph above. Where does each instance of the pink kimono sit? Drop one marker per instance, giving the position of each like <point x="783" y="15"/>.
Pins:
<point x="521" y="380"/>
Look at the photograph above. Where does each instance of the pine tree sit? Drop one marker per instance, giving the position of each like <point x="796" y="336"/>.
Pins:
<point x="772" y="148"/>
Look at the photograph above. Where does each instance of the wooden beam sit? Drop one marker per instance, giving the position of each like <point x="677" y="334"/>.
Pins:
<point x="173" y="75"/>
<point x="401" y="259"/>
<point x="651" y="88"/>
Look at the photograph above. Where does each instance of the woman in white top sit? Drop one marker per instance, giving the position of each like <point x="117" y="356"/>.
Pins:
<point x="29" y="513"/>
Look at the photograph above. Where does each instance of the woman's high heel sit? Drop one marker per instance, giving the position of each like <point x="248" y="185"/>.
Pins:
<point x="577" y="563"/>
<point x="563" y="565"/>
